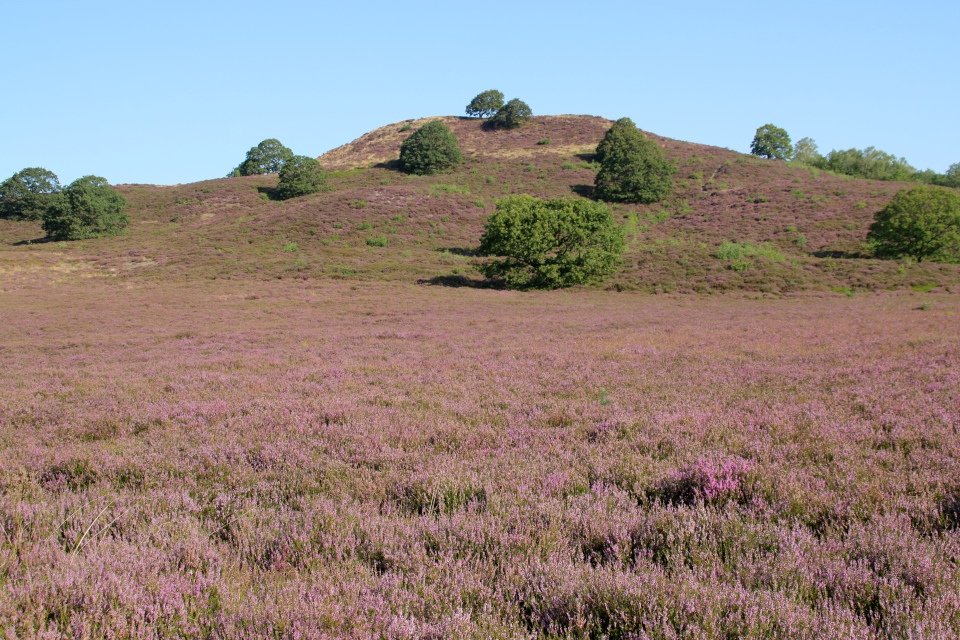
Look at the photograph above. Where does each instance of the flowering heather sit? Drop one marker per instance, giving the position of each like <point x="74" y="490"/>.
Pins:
<point x="337" y="459"/>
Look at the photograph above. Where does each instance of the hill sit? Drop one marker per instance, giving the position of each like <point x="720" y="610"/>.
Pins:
<point x="804" y="229"/>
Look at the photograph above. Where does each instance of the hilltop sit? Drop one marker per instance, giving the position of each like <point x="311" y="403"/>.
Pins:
<point x="807" y="227"/>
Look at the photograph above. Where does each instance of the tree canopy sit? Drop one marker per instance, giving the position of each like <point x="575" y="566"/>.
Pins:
<point x="511" y="115"/>
<point x="267" y="157"/>
<point x="430" y="149"/>
<point x="771" y="142"/>
<point x="551" y="243"/>
<point x="26" y="194"/>
<point x="923" y="223"/>
<point x="632" y="168"/>
<point x="87" y="208"/>
<point x="485" y="104"/>
<point x="806" y="151"/>
<point x="300" y="176"/>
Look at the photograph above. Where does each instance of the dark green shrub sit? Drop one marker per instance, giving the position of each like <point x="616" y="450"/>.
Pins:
<point x="771" y="142"/>
<point x="923" y="223"/>
<point x="551" y="243"/>
<point x="430" y="149"/>
<point x="267" y="157"/>
<point x="88" y="208"/>
<point x="27" y="194"/>
<point x="511" y="115"/>
<point x="485" y="104"/>
<point x="632" y="168"/>
<point x="301" y="176"/>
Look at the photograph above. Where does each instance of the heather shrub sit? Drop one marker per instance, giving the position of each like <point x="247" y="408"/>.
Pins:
<point x="87" y="208"/>
<point x="300" y="176"/>
<point x="707" y="480"/>
<point x="632" y="168"/>
<point x="511" y="115"/>
<point x="485" y="104"/>
<point x="430" y="149"/>
<point x="922" y="223"/>
<point x="26" y="194"/>
<point x="771" y="142"/>
<point x="550" y="243"/>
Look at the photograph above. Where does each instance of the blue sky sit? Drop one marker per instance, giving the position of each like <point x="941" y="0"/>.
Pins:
<point x="177" y="92"/>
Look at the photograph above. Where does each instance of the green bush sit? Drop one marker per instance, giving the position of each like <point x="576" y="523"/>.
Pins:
<point x="377" y="241"/>
<point x="87" y="208"/>
<point x="26" y="194"/>
<point x="771" y="142"/>
<point x="736" y="251"/>
<point x="551" y="243"/>
<point x="300" y="176"/>
<point x="544" y="141"/>
<point x="485" y="104"/>
<point x="430" y="149"/>
<point x="511" y="115"/>
<point x="632" y="168"/>
<point x="922" y="223"/>
<point x="267" y="157"/>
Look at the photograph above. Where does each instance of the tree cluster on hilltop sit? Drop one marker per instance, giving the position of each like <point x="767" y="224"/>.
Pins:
<point x="504" y="115"/>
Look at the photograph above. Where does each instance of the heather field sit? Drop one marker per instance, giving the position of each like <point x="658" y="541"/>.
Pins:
<point x="322" y="458"/>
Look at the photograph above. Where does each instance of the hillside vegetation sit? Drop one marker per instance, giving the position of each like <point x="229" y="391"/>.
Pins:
<point x="796" y="229"/>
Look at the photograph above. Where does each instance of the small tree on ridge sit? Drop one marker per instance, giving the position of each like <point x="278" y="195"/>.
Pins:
<point x="485" y="104"/>
<point x="267" y="157"/>
<point x="511" y="115"/>
<point x="771" y="142"/>
<point x="26" y="194"/>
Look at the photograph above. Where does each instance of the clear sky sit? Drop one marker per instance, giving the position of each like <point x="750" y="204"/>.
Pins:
<point x="176" y="92"/>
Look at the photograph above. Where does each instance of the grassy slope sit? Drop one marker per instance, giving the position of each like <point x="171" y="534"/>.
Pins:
<point x="228" y="228"/>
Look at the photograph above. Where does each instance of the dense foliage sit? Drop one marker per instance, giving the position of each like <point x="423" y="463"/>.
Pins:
<point x="771" y="142"/>
<point x="511" y="115"/>
<point x="87" y="208"/>
<point x="551" y="243"/>
<point x="300" y="176"/>
<point x="485" y="104"/>
<point x="806" y="151"/>
<point x="267" y="157"/>
<point x="869" y="163"/>
<point x="430" y="149"/>
<point x="632" y="168"/>
<point x="26" y="194"/>
<point x="923" y="223"/>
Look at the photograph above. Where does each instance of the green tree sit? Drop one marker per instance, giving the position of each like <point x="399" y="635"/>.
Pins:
<point x="551" y="243"/>
<point x="267" y="157"/>
<point x="430" y="149"/>
<point x="511" y="115"/>
<point x="632" y="169"/>
<point x="805" y="151"/>
<point x="923" y="223"/>
<point x="300" y="176"/>
<point x="87" y="208"/>
<point x="771" y="142"/>
<point x="26" y="194"/>
<point x="485" y="104"/>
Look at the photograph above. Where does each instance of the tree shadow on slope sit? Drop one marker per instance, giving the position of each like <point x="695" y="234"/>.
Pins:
<point x="270" y="192"/>
<point x="459" y="251"/>
<point x="390" y="165"/>
<point x="41" y="240"/>
<point x="458" y="281"/>
<point x="839" y="255"/>
<point x="583" y="190"/>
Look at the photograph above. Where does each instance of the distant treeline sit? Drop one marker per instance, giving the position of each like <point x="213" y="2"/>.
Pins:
<point x="872" y="164"/>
